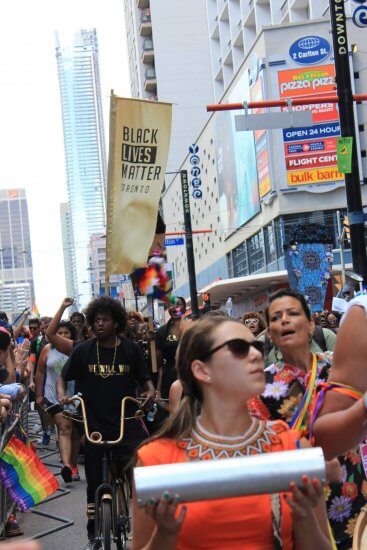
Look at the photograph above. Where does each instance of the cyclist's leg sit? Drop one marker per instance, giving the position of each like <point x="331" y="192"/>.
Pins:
<point x="93" y="474"/>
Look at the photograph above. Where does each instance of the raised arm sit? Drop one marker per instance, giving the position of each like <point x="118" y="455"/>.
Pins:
<point x="17" y="330"/>
<point x="63" y="345"/>
<point x="342" y="420"/>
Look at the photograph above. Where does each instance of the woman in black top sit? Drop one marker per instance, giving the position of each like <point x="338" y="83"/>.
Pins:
<point x="167" y="339"/>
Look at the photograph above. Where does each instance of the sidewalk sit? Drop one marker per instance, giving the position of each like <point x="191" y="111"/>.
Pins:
<point x="69" y="506"/>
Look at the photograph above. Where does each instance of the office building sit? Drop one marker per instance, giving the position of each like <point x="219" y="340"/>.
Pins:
<point x="84" y="144"/>
<point x="67" y="247"/>
<point x="257" y="185"/>
<point x="16" y="286"/>
<point x="169" y="59"/>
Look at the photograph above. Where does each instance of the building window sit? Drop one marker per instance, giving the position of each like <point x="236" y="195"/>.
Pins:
<point x="230" y="265"/>
<point x="256" y="252"/>
<point x="270" y="244"/>
<point x="240" y="262"/>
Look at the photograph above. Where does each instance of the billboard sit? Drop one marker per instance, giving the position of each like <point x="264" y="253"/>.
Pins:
<point x="310" y="153"/>
<point x="261" y="143"/>
<point x="236" y="165"/>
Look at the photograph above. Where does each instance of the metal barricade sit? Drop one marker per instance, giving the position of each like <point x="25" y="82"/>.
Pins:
<point x="18" y="416"/>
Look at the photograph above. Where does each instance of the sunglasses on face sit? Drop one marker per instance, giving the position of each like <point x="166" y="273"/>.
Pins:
<point x="322" y="319"/>
<point x="333" y="321"/>
<point x="238" y="347"/>
<point x="251" y="321"/>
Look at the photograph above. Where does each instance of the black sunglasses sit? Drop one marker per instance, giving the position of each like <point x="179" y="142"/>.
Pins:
<point x="238" y="347"/>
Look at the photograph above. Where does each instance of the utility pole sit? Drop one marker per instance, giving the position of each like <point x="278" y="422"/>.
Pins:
<point x="347" y="126"/>
<point x="189" y="244"/>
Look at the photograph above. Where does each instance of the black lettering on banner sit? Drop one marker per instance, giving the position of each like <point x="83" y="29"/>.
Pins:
<point x="139" y="135"/>
<point x="138" y="154"/>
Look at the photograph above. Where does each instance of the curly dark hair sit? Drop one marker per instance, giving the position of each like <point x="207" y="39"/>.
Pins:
<point x="70" y="327"/>
<point x="107" y="304"/>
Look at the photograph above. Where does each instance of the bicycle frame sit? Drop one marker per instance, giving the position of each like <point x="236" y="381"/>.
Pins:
<point x="106" y="490"/>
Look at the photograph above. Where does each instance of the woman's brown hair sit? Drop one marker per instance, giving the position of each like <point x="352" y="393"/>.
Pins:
<point x="195" y="343"/>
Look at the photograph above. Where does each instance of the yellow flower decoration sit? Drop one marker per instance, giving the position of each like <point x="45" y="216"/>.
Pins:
<point x="351" y="525"/>
<point x="289" y="406"/>
<point x="327" y="492"/>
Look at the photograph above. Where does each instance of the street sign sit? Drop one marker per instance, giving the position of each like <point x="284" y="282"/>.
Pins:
<point x="177" y="241"/>
<point x="309" y="50"/>
<point x="284" y="119"/>
<point x="360" y="16"/>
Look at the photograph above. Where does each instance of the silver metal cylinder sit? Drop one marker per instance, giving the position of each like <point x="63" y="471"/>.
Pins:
<point x="234" y="477"/>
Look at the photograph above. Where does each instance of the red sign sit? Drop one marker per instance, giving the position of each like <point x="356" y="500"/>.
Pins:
<point x="311" y="161"/>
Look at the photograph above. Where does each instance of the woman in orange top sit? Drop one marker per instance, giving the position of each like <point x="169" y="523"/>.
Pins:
<point x="221" y="367"/>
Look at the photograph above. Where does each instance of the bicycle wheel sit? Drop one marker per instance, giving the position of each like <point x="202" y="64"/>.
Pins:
<point x="123" y="515"/>
<point x="105" y="525"/>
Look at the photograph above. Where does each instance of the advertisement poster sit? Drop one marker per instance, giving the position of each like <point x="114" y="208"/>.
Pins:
<point x="261" y="143"/>
<point x="236" y="164"/>
<point x="311" y="153"/>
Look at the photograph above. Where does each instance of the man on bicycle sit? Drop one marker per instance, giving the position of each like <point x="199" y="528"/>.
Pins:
<point x="106" y="369"/>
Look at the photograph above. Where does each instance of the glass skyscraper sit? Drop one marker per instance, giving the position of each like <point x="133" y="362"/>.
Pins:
<point x="16" y="285"/>
<point x="85" y="153"/>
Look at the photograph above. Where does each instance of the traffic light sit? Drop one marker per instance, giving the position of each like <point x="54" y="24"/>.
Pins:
<point x="206" y="301"/>
<point x="346" y="228"/>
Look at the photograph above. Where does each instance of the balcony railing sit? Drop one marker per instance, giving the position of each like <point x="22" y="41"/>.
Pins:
<point x="148" y="51"/>
<point x="150" y="84"/>
<point x="142" y="4"/>
<point x="145" y="23"/>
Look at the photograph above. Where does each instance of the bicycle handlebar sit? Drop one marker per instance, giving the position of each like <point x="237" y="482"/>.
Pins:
<point x="96" y="437"/>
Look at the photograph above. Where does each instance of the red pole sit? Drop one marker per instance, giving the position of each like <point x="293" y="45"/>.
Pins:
<point x="282" y="102"/>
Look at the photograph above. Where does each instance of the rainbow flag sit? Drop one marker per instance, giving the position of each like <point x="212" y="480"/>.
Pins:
<point x="35" y="311"/>
<point x="27" y="480"/>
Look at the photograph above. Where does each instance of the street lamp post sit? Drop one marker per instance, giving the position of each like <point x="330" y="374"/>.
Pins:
<point x="189" y="244"/>
<point x="347" y="127"/>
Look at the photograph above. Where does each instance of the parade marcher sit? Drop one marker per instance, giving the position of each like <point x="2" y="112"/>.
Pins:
<point x="220" y="366"/>
<point x="254" y="322"/>
<point x="288" y="380"/>
<point x="167" y="340"/>
<point x="340" y="421"/>
<point x="38" y="342"/>
<point x="62" y="344"/>
<point x="49" y="367"/>
<point x="106" y="369"/>
<point x="77" y="318"/>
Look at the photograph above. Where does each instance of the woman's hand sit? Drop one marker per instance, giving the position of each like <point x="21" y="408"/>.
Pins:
<point x="304" y="499"/>
<point x="39" y="401"/>
<point x="67" y="302"/>
<point x="163" y="513"/>
<point x="63" y="399"/>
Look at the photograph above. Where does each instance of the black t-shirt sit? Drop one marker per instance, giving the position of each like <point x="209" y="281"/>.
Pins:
<point x="167" y="344"/>
<point x="104" y="385"/>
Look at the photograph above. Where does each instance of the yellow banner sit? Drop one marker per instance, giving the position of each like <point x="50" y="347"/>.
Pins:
<point x="314" y="175"/>
<point x="139" y="143"/>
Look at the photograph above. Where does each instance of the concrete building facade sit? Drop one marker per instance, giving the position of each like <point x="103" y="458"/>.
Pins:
<point x="257" y="185"/>
<point x="16" y="270"/>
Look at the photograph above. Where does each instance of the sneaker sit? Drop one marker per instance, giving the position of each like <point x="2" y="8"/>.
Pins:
<point x="93" y="545"/>
<point x="66" y="474"/>
<point x="75" y="473"/>
<point x="12" y="528"/>
<point x="45" y="439"/>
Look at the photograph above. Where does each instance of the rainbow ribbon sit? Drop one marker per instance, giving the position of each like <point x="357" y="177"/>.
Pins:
<point x="298" y="417"/>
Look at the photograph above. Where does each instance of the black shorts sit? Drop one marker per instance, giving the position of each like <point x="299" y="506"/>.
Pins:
<point x="52" y="408"/>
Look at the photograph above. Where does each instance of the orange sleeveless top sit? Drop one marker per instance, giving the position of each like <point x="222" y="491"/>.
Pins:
<point x="233" y="523"/>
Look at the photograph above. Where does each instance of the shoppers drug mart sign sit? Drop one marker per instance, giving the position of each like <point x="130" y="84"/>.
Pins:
<point x="309" y="50"/>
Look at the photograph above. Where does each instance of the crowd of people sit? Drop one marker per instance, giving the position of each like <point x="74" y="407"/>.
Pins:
<point x="221" y="387"/>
